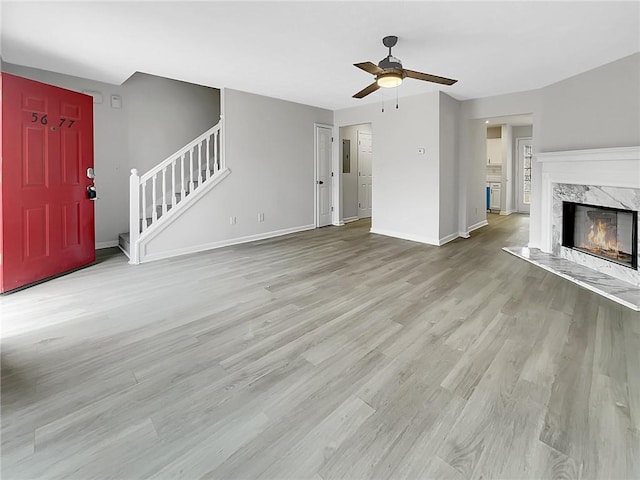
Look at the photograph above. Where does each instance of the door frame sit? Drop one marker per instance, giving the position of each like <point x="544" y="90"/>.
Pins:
<point x="520" y="175"/>
<point x="55" y="193"/>
<point x="316" y="216"/>
<point x="358" y="133"/>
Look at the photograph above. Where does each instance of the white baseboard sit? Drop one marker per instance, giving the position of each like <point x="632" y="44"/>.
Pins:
<point x="448" y="238"/>
<point x="222" y="243"/>
<point x="109" y="244"/>
<point x="507" y="212"/>
<point x="350" y="219"/>
<point x="475" y="226"/>
<point x="405" y="236"/>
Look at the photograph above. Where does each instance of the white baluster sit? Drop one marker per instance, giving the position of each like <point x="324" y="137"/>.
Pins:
<point x="134" y="215"/>
<point x="182" y="182"/>
<point x="199" y="147"/>
<point x="216" y="167"/>
<point x="208" y="157"/>
<point x="164" y="190"/>
<point x="173" y="183"/>
<point x="144" y="206"/>
<point x="191" y="187"/>
<point x="154" y="214"/>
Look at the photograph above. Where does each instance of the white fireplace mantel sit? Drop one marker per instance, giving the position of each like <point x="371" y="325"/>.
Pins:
<point x="606" y="167"/>
<point x="592" y="155"/>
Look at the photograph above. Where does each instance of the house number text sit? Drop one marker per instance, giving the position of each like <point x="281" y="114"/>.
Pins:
<point x="43" y="119"/>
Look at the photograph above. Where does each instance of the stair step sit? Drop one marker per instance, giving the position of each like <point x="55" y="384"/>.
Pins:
<point x="124" y="242"/>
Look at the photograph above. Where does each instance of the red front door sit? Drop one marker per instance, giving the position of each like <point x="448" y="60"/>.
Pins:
<point x="47" y="146"/>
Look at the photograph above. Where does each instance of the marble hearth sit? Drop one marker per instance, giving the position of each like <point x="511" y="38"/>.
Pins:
<point x="607" y="177"/>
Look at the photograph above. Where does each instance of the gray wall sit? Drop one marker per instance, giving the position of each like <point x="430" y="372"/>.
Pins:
<point x="449" y="119"/>
<point x="164" y="115"/>
<point x="405" y="184"/>
<point x="521" y="131"/>
<point x="270" y="153"/>
<point x="596" y="109"/>
<point x="152" y="123"/>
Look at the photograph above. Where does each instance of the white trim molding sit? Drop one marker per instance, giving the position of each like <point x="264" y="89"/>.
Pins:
<point x="448" y="238"/>
<point x="405" y="236"/>
<point x="109" y="244"/>
<point x="591" y="155"/>
<point x="223" y="243"/>
<point x="473" y="227"/>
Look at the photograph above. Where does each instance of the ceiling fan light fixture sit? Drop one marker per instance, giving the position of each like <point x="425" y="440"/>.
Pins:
<point x="389" y="80"/>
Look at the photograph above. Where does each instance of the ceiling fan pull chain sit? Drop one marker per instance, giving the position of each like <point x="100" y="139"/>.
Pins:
<point x="396" y="98"/>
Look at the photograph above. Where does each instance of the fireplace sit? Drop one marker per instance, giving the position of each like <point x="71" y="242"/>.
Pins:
<point x="604" y="232"/>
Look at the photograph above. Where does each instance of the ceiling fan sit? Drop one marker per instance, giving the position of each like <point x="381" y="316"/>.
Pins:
<point x="389" y="72"/>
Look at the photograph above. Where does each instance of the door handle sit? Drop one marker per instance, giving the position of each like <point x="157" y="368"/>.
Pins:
<point x="320" y="182"/>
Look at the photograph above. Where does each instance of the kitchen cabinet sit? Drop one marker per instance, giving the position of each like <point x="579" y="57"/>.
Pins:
<point x="494" y="151"/>
<point x="495" y="193"/>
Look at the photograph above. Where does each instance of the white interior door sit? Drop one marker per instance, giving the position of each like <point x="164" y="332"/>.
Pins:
<point x="323" y="176"/>
<point x="364" y="174"/>
<point x="523" y="171"/>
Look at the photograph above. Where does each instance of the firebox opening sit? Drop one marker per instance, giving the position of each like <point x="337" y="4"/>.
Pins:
<point x="607" y="233"/>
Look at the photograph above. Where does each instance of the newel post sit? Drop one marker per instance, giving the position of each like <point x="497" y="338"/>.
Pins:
<point x="134" y="215"/>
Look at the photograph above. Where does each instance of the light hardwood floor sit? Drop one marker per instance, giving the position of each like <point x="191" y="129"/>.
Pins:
<point x="329" y="354"/>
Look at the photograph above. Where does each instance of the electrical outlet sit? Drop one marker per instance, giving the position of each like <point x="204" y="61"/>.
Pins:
<point x="261" y="217"/>
<point x="232" y="220"/>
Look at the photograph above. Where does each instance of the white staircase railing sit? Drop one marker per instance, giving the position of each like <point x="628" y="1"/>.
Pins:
<point x="165" y="186"/>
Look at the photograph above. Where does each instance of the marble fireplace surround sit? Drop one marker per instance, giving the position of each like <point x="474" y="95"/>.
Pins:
<point x="607" y="177"/>
<point x="617" y="197"/>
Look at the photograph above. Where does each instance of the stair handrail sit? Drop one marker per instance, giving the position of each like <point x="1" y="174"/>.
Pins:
<point x="136" y="181"/>
<point x="167" y="161"/>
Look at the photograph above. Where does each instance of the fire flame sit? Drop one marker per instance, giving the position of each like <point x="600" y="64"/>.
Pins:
<point x="601" y="237"/>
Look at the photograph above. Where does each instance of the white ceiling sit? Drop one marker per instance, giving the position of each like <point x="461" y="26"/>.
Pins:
<point x="304" y="51"/>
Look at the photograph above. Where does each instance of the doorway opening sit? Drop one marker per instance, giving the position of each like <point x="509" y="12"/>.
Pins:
<point x="507" y="155"/>
<point x="356" y="156"/>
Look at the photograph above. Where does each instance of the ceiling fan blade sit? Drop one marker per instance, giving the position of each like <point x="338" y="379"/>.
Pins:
<point x="366" y="91"/>
<point x="369" y="67"/>
<point x="429" y="78"/>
